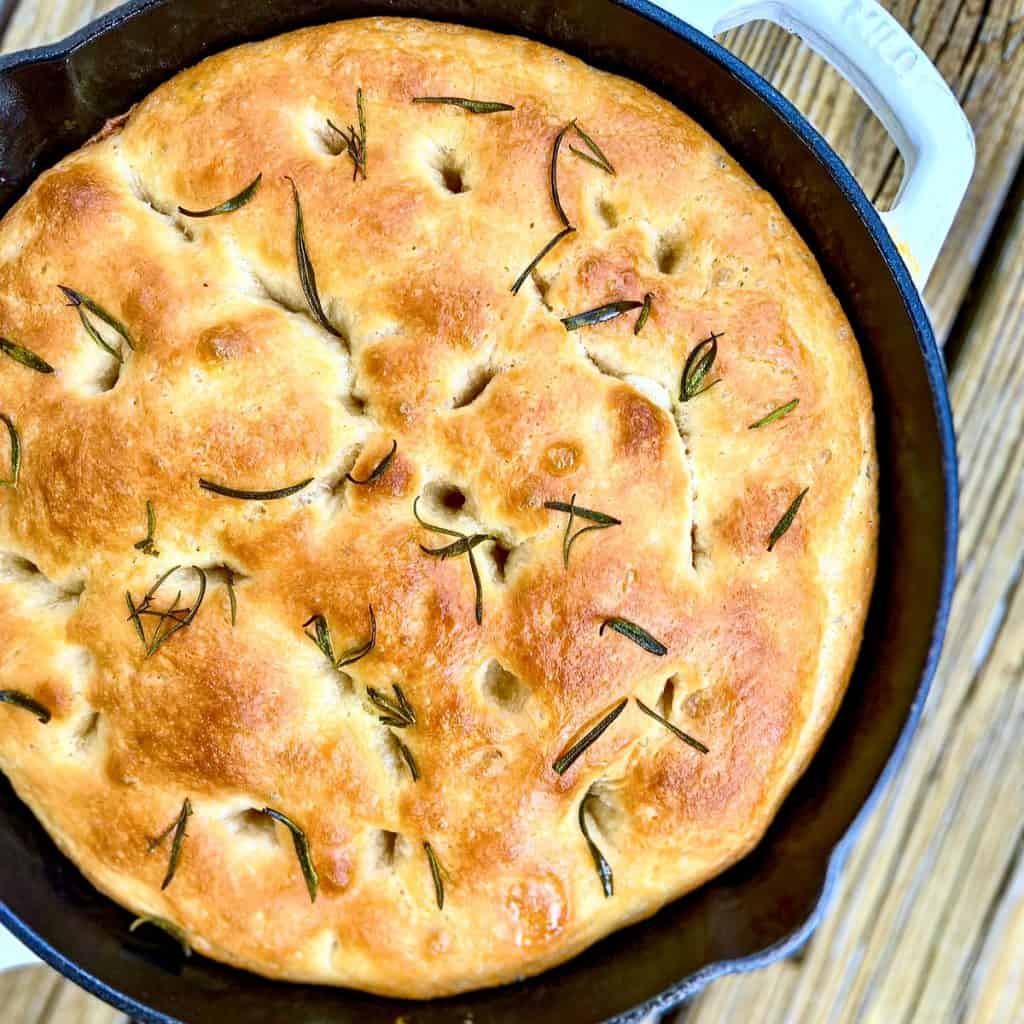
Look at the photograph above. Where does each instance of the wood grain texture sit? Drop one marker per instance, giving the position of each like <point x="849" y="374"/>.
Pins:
<point x="929" y="922"/>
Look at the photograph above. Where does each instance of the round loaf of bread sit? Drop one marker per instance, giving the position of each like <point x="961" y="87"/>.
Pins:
<point x="435" y="534"/>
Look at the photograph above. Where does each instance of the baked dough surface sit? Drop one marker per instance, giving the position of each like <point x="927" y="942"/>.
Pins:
<point x="232" y="380"/>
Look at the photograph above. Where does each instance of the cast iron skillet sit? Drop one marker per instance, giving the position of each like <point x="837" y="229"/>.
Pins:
<point x="53" y="99"/>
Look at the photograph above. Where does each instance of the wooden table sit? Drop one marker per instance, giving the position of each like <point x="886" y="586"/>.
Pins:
<point x="928" y="925"/>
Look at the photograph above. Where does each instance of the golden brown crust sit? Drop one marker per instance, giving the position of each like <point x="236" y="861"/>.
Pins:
<point x="232" y="380"/>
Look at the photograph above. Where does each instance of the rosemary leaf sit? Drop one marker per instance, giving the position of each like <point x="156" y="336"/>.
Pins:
<point x="435" y="874"/>
<point x="378" y="471"/>
<point x="600" y="520"/>
<point x="231" y="492"/>
<point x="641" y="320"/>
<point x="633" y="632"/>
<point x="321" y="635"/>
<point x="598" y="158"/>
<point x="698" y="366"/>
<point x="604" y="869"/>
<point x="592" y="317"/>
<point x="478" y="607"/>
<point x="473" y="106"/>
<point x="134" y="616"/>
<point x="307" y="274"/>
<point x="168" y="927"/>
<point x="775" y="414"/>
<point x="229" y="205"/>
<point x="464" y="545"/>
<point x="410" y="761"/>
<point x="12" y="431"/>
<point x="570" y="756"/>
<point x="783" y="525"/>
<point x="176" y="843"/>
<point x="82" y="303"/>
<point x="535" y="262"/>
<point x="21" y="700"/>
<point x="397" y="711"/>
<point x="685" y="737"/>
<point x="355" y="141"/>
<point x="146" y="544"/>
<point x="229" y="582"/>
<point x="180" y="617"/>
<point x="431" y="526"/>
<point x="301" y="844"/>
<point x="24" y="356"/>
<point x="555" y="197"/>
<point x="358" y="653"/>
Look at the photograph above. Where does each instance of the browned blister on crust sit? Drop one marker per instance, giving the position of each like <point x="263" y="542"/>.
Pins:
<point x="492" y="410"/>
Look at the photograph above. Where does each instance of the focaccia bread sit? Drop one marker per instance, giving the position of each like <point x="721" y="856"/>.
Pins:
<point x="483" y="748"/>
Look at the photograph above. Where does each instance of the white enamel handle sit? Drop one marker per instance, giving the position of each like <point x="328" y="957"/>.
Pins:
<point x="899" y="83"/>
<point x="12" y="952"/>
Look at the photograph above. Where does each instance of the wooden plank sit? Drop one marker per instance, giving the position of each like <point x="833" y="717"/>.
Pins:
<point x="27" y="995"/>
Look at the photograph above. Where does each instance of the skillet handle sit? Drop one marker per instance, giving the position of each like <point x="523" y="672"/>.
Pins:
<point x="900" y="85"/>
<point x="13" y="953"/>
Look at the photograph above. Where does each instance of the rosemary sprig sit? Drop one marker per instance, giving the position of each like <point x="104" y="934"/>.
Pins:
<point x="21" y="700"/>
<point x="604" y="869"/>
<point x="180" y="617"/>
<point x="775" y="414"/>
<point x="473" y="106"/>
<point x="12" y="431"/>
<point x="167" y="927"/>
<point x="355" y="141"/>
<point x="307" y="273"/>
<point x="146" y="545"/>
<point x="229" y="205"/>
<point x="535" y="262"/>
<point x="83" y="303"/>
<point x="569" y="757"/>
<point x="783" y="525"/>
<point x="321" y="636"/>
<point x="397" y="712"/>
<point x="231" y="492"/>
<point x="698" y="366"/>
<point x="24" y="356"/>
<point x="633" y="632"/>
<point x="301" y="844"/>
<point x="600" y="315"/>
<point x="229" y="582"/>
<point x="464" y="545"/>
<point x="436" y="874"/>
<point x="378" y="471"/>
<point x="177" y="826"/>
<point x="555" y="197"/>
<point x="599" y="519"/>
<point x="410" y="761"/>
<point x="641" y="320"/>
<point x="685" y="737"/>
<point x="595" y="157"/>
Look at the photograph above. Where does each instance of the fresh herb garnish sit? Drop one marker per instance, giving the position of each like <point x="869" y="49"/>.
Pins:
<point x="168" y="927"/>
<point x="463" y="546"/>
<point x="410" y="761"/>
<point x="378" y="471"/>
<point x="783" y="525"/>
<point x="21" y="700"/>
<point x="12" y="431"/>
<point x="179" y="617"/>
<point x="685" y="737"/>
<point x="229" y="205"/>
<point x="602" y="314"/>
<point x="555" y="196"/>
<point x="231" y="492"/>
<point x="595" y="157"/>
<point x="698" y="366"/>
<point x="436" y="874"/>
<point x="146" y="544"/>
<point x="641" y="320"/>
<point x="83" y="303"/>
<point x="633" y="632"/>
<point x="569" y="758"/>
<point x="355" y="141"/>
<point x="473" y="106"/>
<point x="307" y="273"/>
<point x="535" y="262"/>
<point x="178" y="827"/>
<point x="321" y="636"/>
<point x="301" y="844"/>
<point x="599" y="519"/>
<point x="397" y="712"/>
<point x="604" y="869"/>
<point x="229" y="582"/>
<point x="24" y="356"/>
<point x="775" y="414"/>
